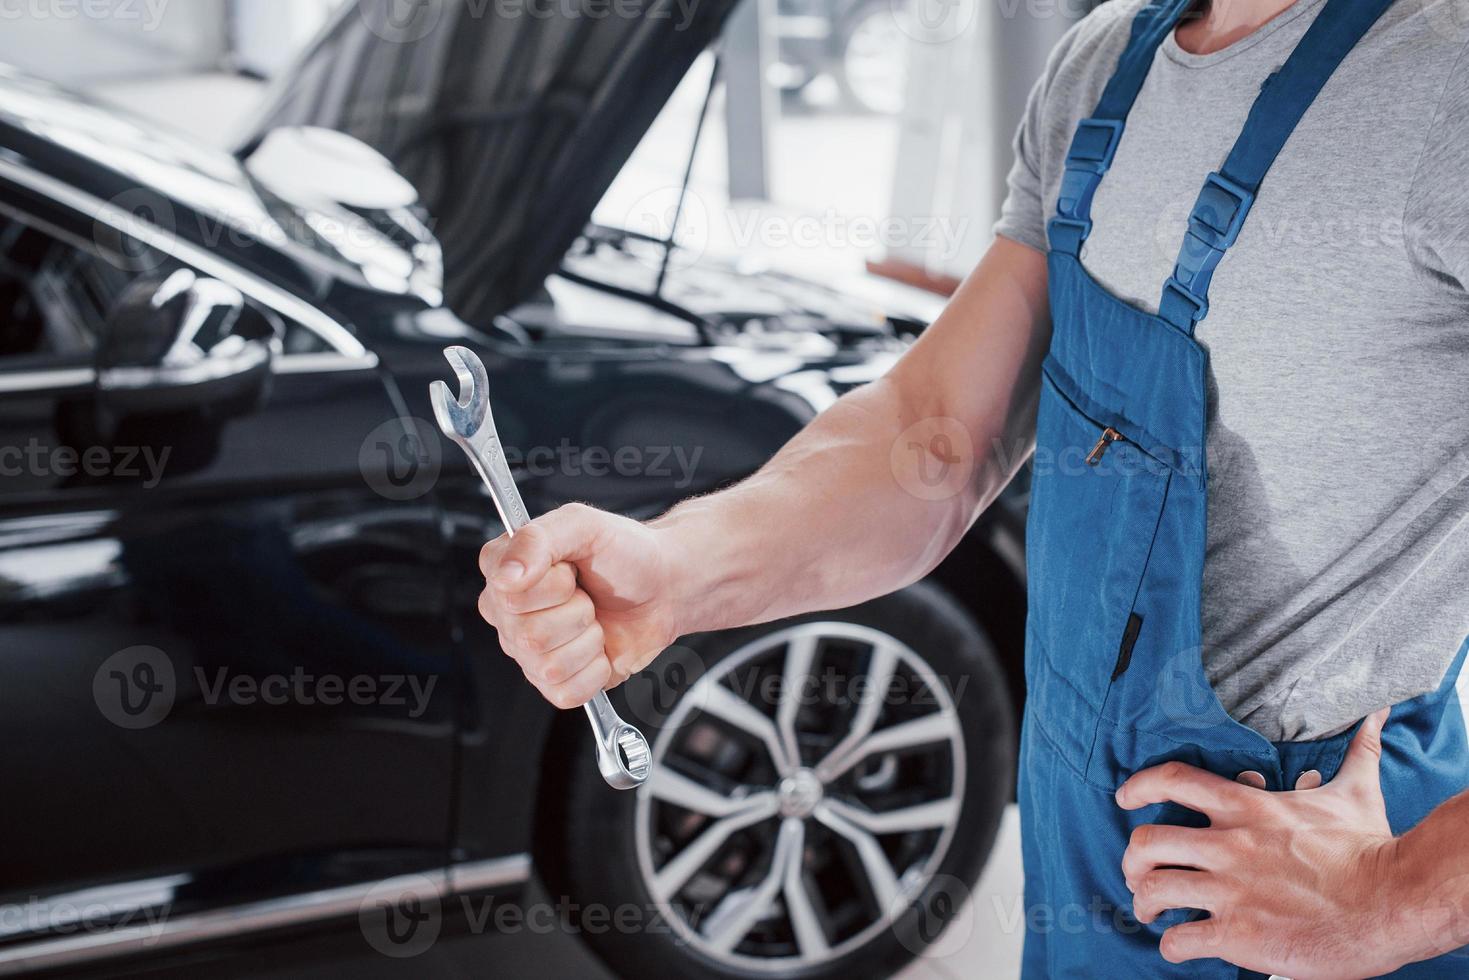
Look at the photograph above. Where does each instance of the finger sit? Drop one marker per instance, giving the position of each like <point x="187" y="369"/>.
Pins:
<point x="1364" y="755"/>
<point x="489" y="555"/>
<point x="628" y="650"/>
<point x="1157" y="846"/>
<point x="624" y="662"/>
<point x="581" y="687"/>
<point x="557" y="588"/>
<point x="553" y="669"/>
<point x="566" y="534"/>
<point x="1185" y="785"/>
<point x="1193" y="941"/>
<point x="533" y="634"/>
<point x="1159" y="891"/>
<point x="490" y="603"/>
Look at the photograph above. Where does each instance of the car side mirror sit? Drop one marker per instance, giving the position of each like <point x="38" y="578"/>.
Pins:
<point x="182" y="344"/>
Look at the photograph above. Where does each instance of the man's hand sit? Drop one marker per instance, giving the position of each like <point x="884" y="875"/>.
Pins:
<point x="1297" y="883"/>
<point x="581" y="600"/>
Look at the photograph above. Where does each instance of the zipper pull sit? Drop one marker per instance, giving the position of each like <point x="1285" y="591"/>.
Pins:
<point x="1109" y="436"/>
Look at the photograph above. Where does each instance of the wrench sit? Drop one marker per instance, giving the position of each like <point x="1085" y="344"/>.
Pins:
<point x="622" y="751"/>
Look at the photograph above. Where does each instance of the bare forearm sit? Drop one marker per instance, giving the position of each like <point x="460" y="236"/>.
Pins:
<point x="878" y="489"/>
<point x="1426" y="884"/>
<point x="825" y="525"/>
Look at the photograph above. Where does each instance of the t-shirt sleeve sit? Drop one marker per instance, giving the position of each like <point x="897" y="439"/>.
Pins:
<point x="1076" y="69"/>
<point x="1022" y="216"/>
<point x="1436" y="225"/>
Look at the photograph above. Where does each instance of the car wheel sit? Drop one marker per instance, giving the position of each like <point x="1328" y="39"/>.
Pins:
<point x="873" y="66"/>
<point x="808" y="835"/>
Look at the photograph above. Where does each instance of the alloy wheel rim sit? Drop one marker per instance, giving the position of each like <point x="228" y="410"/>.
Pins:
<point x="806" y="855"/>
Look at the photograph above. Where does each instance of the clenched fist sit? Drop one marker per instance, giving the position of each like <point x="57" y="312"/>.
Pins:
<point x="581" y="600"/>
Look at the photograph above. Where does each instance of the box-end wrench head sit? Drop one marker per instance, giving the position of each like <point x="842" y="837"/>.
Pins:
<point x="623" y="756"/>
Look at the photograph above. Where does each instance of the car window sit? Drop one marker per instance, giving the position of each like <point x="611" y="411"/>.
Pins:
<point x="57" y="289"/>
<point x="55" y="292"/>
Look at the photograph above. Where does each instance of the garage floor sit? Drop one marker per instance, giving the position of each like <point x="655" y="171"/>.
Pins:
<point x="983" y="942"/>
<point x="978" y="945"/>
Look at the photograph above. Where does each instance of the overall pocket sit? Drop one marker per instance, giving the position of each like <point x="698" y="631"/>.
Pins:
<point x="1096" y="499"/>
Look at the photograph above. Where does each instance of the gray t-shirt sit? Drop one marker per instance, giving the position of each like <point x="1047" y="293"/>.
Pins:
<point x="1337" y="574"/>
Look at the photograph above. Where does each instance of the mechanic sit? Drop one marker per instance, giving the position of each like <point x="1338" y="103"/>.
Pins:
<point x="1229" y="279"/>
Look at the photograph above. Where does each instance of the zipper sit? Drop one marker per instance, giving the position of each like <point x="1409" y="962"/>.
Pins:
<point x="1129" y="640"/>
<point x="1109" y="436"/>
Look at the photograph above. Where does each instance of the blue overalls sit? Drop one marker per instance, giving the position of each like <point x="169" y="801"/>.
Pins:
<point x="1116" y="552"/>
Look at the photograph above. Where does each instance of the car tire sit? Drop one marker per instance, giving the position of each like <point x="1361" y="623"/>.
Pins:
<point x="617" y="855"/>
<point x="871" y="62"/>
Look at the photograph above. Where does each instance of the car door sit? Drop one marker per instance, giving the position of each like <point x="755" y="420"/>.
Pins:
<point x="225" y="672"/>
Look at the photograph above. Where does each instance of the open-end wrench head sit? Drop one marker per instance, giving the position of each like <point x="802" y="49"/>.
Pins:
<point x="623" y="755"/>
<point x="463" y="416"/>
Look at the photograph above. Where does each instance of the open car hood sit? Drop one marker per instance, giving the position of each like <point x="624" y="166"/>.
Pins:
<point x="511" y="121"/>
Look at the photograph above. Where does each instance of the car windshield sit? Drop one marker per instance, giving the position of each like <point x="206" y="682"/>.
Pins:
<point x="829" y="160"/>
<point x="204" y="179"/>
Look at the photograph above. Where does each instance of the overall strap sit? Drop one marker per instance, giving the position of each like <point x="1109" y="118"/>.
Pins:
<point x="1096" y="138"/>
<point x="1219" y="212"/>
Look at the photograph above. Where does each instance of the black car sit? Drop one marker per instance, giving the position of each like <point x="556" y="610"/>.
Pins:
<point x="245" y="688"/>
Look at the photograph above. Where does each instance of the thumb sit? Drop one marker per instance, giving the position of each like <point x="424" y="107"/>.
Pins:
<point x="1364" y="755"/>
<point x="567" y="533"/>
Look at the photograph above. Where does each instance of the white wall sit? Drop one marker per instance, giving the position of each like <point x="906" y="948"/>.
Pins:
<point x="84" y="42"/>
<point x="268" y="33"/>
<point x="973" y="64"/>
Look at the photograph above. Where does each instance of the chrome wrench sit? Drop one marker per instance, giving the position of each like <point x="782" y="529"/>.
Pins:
<point x="622" y="751"/>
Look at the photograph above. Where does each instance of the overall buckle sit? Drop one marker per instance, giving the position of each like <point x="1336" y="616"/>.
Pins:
<point x="1220" y="211"/>
<point x="1092" y="148"/>
<point x="1213" y="225"/>
<point x="1193" y="307"/>
<point x="1067" y="234"/>
<point x="1090" y="155"/>
<point x="1074" y="198"/>
<point x="1094" y="144"/>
